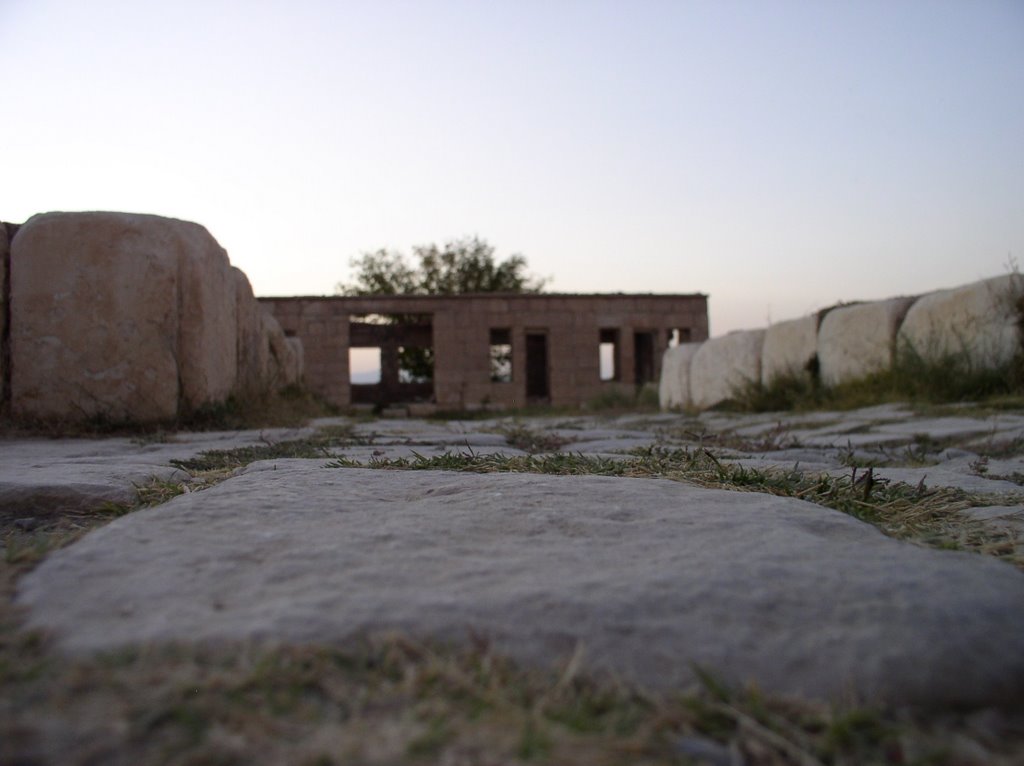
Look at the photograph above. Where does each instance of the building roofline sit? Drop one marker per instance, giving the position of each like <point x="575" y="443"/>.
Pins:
<point x="449" y="296"/>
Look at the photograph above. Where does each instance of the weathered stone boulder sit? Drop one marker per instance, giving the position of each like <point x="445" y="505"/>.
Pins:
<point x="116" y="315"/>
<point x="855" y="341"/>
<point x="674" y="385"/>
<point x="282" y="365"/>
<point x="721" y="365"/>
<point x="207" y="343"/>
<point x="252" y="350"/>
<point x="980" y="320"/>
<point x="789" y="348"/>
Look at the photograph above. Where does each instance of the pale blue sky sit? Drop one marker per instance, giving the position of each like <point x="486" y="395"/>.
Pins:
<point x="779" y="156"/>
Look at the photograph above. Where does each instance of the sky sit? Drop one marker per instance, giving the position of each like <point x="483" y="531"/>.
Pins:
<point x="777" y="156"/>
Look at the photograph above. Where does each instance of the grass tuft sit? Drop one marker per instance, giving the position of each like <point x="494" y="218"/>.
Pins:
<point x="316" y="446"/>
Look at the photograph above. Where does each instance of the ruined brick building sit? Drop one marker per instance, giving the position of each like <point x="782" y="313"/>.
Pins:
<point x="501" y="350"/>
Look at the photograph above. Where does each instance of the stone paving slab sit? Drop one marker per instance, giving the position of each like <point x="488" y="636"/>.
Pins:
<point x="42" y="477"/>
<point x="646" y="576"/>
<point x="65" y="486"/>
<point x="38" y="475"/>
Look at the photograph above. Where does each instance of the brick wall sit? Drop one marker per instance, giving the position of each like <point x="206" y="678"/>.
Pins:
<point x="461" y="340"/>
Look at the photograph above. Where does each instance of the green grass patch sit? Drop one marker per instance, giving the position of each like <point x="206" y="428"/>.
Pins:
<point x="316" y="446"/>
<point x="920" y="378"/>
<point x="618" y="399"/>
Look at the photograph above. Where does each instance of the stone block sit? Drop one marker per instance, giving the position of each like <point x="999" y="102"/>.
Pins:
<point x="855" y="341"/>
<point x="118" y="315"/>
<point x="674" y="385"/>
<point x="95" y="317"/>
<point x="722" y="365"/>
<point x="981" y="320"/>
<point x="654" y="579"/>
<point x="789" y="348"/>
<point x="207" y="345"/>
<point x="282" y="365"/>
<point x="250" y="349"/>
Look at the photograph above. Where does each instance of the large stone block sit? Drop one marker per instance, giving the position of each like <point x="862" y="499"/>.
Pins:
<point x="980" y="320"/>
<point x="282" y="367"/>
<point x="649" y="580"/>
<point x="856" y="341"/>
<point x="789" y="348"/>
<point x="251" y="351"/>
<point x="674" y="386"/>
<point x="207" y="344"/>
<point x="94" y="318"/>
<point x="118" y="315"/>
<point x="722" y="365"/>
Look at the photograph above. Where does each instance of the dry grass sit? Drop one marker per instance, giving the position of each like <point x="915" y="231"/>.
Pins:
<point x="391" y="700"/>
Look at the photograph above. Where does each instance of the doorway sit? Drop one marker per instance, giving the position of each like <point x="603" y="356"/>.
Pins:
<point x="643" y="357"/>
<point x="537" y="366"/>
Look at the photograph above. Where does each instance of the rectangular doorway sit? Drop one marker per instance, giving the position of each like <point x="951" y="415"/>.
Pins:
<point x="643" y="357"/>
<point x="537" y="366"/>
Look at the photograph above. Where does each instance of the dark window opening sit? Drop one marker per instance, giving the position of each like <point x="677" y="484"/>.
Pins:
<point x="643" y="357"/>
<point x="608" y="354"/>
<point x="537" y="366"/>
<point x="415" y="365"/>
<point x="501" y="356"/>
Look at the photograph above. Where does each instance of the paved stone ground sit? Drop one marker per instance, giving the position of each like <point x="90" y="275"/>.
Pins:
<point x="646" y="576"/>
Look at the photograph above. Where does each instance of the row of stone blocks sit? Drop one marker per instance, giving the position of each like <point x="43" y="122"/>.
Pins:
<point x="981" y="320"/>
<point x="129" y="318"/>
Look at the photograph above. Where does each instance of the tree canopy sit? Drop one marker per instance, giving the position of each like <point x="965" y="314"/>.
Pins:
<point x="464" y="265"/>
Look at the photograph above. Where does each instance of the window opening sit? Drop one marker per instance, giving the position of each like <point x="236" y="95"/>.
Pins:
<point x="501" y="356"/>
<point x="391" y="358"/>
<point x="608" y="354"/>
<point x="537" y="366"/>
<point x="415" y="365"/>
<point x="364" y="366"/>
<point x="643" y="357"/>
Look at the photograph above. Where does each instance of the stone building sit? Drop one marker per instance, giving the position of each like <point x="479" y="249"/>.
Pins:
<point x="500" y="350"/>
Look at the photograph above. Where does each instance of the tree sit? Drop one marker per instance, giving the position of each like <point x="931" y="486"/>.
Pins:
<point x="464" y="265"/>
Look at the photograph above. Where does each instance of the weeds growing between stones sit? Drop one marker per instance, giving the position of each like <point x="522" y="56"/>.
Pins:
<point x="319" y="445"/>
